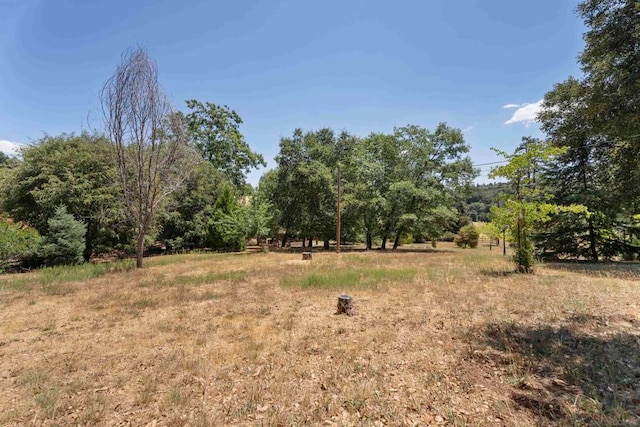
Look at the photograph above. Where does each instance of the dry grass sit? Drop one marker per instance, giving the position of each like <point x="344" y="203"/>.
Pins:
<point x="440" y="337"/>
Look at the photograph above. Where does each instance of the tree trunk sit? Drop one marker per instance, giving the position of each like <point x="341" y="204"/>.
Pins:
<point x="369" y="240"/>
<point x="92" y="232"/>
<point x="304" y="241"/>
<point x="284" y="239"/>
<point x="345" y="305"/>
<point x="384" y="243"/>
<point x="310" y="243"/>
<point x="325" y="244"/>
<point x="139" y="248"/>
<point x="592" y="240"/>
<point x="396" y="242"/>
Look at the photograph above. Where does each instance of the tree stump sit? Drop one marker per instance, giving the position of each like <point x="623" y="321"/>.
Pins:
<point x="345" y="305"/>
<point x="306" y="256"/>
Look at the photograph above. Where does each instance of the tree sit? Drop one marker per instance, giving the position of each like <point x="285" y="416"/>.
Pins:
<point x="421" y="175"/>
<point x="184" y="223"/>
<point x="528" y="205"/>
<point x="467" y="237"/>
<point x="215" y="131"/>
<point x="75" y="170"/>
<point x="392" y="185"/>
<point x="259" y="217"/>
<point x="304" y="193"/>
<point x="610" y="64"/>
<point x="150" y="142"/>
<point x="597" y="117"/>
<point x="227" y="226"/>
<point x="8" y="166"/>
<point x="64" y="243"/>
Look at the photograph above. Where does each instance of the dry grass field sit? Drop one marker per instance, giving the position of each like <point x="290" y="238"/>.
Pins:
<point x="441" y="337"/>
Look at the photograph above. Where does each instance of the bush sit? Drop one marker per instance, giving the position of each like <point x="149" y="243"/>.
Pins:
<point x="447" y="236"/>
<point x="467" y="237"/>
<point x="65" y="242"/>
<point x="17" y="242"/>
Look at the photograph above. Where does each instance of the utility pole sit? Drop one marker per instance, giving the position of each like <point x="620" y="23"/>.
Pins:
<point x="338" y="214"/>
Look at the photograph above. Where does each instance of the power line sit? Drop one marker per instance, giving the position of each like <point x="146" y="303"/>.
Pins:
<point x="593" y="144"/>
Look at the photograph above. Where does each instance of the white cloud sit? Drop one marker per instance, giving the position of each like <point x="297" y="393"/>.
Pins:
<point x="511" y="106"/>
<point x="526" y="114"/>
<point x="9" y="147"/>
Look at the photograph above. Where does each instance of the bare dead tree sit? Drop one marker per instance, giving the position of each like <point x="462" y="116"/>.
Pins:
<point x="150" y="141"/>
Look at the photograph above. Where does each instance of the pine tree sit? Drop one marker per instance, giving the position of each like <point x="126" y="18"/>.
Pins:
<point x="64" y="243"/>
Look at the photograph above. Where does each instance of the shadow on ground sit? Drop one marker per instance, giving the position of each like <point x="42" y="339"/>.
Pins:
<point x="623" y="270"/>
<point x="576" y="374"/>
<point x="498" y="273"/>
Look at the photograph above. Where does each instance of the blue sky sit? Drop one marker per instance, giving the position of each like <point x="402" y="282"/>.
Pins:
<point x="358" y="65"/>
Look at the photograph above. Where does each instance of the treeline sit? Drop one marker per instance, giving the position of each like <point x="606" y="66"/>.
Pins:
<point x="410" y="184"/>
<point x="167" y="179"/>
<point x="595" y="120"/>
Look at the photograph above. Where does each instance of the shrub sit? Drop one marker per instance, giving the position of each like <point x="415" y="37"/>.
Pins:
<point x="65" y="242"/>
<point x="16" y="242"/>
<point x="447" y="236"/>
<point x="467" y="237"/>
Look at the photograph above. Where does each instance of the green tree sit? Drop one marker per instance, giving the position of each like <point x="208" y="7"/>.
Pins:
<point x="305" y="190"/>
<point x="580" y="175"/>
<point x="215" y="130"/>
<point x="75" y="170"/>
<point x="392" y="185"/>
<point x="422" y="176"/>
<point x="259" y="217"/>
<point x="267" y="191"/>
<point x="17" y="241"/>
<point x="467" y="237"/>
<point x="65" y="241"/>
<point x="528" y="205"/>
<point x="184" y="223"/>
<point x="597" y="118"/>
<point x="227" y="226"/>
<point x="8" y="166"/>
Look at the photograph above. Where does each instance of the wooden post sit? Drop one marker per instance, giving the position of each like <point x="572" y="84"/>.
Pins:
<point x="345" y="305"/>
<point x="338" y="222"/>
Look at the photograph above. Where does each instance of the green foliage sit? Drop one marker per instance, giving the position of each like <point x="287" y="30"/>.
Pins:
<point x="77" y="171"/>
<point x="64" y="242"/>
<point x="391" y="185"/>
<point x="482" y="197"/>
<point x="215" y="130"/>
<point x="447" y="236"/>
<point x="597" y="117"/>
<point x="227" y="227"/>
<point x="17" y="242"/>
<point x="467" y="237"/>
<point x="489" y="230"/>
<point x="527" y="206"/>
<point x="184" y="223"/>
<point x="259" y="217"/>
<point x="354" y="278"/>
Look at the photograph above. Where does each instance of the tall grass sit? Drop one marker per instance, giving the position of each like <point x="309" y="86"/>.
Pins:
<point x="354" y="278"/>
